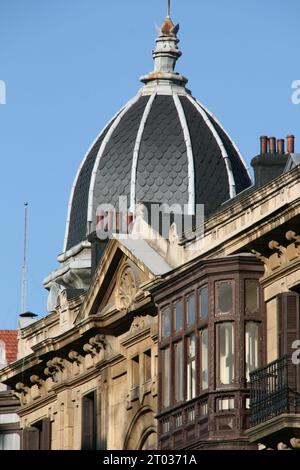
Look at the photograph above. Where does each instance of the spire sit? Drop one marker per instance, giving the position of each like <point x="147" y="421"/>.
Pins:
<point x="166" y="54"/>
<point x="169" y="9"/>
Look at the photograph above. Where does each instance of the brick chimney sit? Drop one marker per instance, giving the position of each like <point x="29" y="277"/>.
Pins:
<point x="290" y="140"/>
<point x="271" y="161"/>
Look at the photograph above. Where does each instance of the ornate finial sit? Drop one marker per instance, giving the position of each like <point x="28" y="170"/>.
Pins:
<point x="166" y="54"/>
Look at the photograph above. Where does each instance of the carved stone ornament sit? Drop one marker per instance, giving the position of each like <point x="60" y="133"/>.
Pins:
<point x="21" y="388"/>
<point x="95" y="344"/>
<point x="137" y="324"/>
<point x="53" y="366"/>
<point x="74" y="357"/>
<point x="126" y="289"/>
<point x="36" y="380"/>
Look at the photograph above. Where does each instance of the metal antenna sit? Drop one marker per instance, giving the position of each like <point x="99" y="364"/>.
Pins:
<point x="169" y="9"/>
<point x="24" y="267"/>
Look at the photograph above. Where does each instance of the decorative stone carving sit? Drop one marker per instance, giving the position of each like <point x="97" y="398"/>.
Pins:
<point x="282" y="446"/>
<point x="295" y="443"/>
<point x="95" y="344"/>
<point x="260" y="256"/>
<point x="138" y="323"/>
<point x="36" y="380"/>
<point x="292" y="237"/>
<point x="53" y="366"/>
<point x="275" y="246"/>
<point x="126" y="289"/>
<point x="173" y="234"/>
<point x="74" y="356"/>
<point x="21" y="388"/>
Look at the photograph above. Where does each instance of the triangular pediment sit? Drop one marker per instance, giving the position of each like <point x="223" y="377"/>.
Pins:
<point x="117" y="282"/>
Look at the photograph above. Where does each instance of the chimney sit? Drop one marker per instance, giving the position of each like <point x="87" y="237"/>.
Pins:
<point x="290" y="144"/>
<point x="272" y="143"/>
<point x="264" y="144"/>
<point x="280" y="146"/>
<point x="271" y="162"/>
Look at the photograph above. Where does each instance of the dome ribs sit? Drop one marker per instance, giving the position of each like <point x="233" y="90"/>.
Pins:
<point x="77" y="219"/>
<point x="113" y="176"/>
<point x="210" y="169"/>
<point x="163" y="156"/>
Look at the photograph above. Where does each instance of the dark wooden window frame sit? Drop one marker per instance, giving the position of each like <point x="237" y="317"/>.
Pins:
<point x="89" y="421"/>
<point x="210" y="323"/>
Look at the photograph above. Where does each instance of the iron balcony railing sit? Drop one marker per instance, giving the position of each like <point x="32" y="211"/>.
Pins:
<point x="274" y="391"/>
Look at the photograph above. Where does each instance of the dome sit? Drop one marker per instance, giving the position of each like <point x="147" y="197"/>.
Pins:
<point x="162" y="147"/>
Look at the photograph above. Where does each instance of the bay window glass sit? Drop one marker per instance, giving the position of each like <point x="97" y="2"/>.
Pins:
<point x="178" y="315"/>
<point x="225" y="404"/>
<point x="251" y="347"/>
<point x="191" y="367"/>
<point x="224" y="298"/>
<point x="252" y="296"/>
<point x="190" y="308"/>
<point x="178" y="363"/>
<point x="203" y="302"/>
<point x="204" y="359"/>
<point x="166" y="377"/>
<point x="165" y="322"/>
<point x="225" y="333"/>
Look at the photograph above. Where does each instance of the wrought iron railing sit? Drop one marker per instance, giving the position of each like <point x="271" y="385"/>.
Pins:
<point x="274" y="391"/>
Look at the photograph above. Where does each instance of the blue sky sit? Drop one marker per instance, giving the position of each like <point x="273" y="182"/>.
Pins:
<point x="69" y="65"/>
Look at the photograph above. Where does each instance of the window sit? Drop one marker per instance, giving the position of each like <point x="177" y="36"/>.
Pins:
<point x="226" y="353"/>
<point x="178" y="315"/>
<point x="178" y="362"/>
<point x="190" y="308"/>
<point x="89" y="429"/>
<point x="165" y="425"/>
<point x="38" y="436"/>
<point x="166" y="377"/>
<point x="204" y="408"/>
<point x="251" y="347"/>
<point x="165" y="322"/>
<point x="203" y="302"/>
<point x="135" y="371"/>
<point x="224" y="298"/>
<point x="251" y="296"/>
<point x="147" y="365"/>
<point x="204" y="359"/>
<point x="191" y="367"/>
<point x="225" y="404"/>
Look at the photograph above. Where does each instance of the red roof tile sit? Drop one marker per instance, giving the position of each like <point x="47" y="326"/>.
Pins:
<point x="10" y="338"/>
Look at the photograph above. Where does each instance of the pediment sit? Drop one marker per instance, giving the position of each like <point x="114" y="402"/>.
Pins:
<point x="117" y="283"/>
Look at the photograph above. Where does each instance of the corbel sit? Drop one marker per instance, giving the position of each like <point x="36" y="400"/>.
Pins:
<point x="74" y="356"/>
<point x="36" y="380"/>
<point x="275" y="246"/>
<point x="95" y="344"/>
<point x="293" y="237"/>
<point x="21" y="388"/>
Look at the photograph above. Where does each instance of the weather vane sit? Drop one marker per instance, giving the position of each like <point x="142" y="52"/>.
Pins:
<point x="169" y="9"/>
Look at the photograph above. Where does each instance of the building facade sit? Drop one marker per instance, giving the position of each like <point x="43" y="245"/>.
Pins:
<point x="163" y="337"/>
<point x="9" y="404"/>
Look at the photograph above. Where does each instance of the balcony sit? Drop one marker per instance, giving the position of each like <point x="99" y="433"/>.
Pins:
<point x="275" y="403"/>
